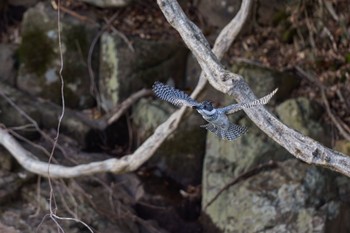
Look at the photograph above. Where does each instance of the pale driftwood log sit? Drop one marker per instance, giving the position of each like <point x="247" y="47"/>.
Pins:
<point x="32" y="164"/>
<point x="302" y="147"/>
<point x="146" y="150"/>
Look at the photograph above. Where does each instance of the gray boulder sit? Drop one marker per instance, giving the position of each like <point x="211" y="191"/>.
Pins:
<point x="294" y="197"/>
<point x="129" y="65"/>
<point x="224" y="159"/>
<point x="263" y="80"/>
<point x="40" y="59"/>
<point x="304" y="116"/>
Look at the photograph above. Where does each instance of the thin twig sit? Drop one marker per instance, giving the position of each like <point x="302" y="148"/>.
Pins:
<point x="344" y="125"/>
<point x="52" y="200"/>
<point x="322" y="88"/>
<point x="75" y="14"/>
<point x="93" y="88"/>
<point x="121" y="35"/>
<point x="331" y="10"/>
<point x="125" y="105"/>
<point x="342" y="99"/>
<point x="333" y="118"/>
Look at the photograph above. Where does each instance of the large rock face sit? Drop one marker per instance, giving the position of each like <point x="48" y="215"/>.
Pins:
<point x="129" y="65"/>
<point x="40" y="59"/>
<point x="294" y="197"/>
<point x="263" y="80"/>
<point x="254" y="147"/>
<point x="303" y="115"/>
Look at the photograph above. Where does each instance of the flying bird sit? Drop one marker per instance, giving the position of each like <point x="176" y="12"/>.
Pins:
<point x="218" y="122"/>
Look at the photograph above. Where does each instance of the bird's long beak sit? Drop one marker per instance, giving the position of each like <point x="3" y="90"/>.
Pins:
<point x="196" y="107"/>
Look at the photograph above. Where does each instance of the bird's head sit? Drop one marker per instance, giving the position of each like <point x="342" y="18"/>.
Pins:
<point x="205" y="105"/>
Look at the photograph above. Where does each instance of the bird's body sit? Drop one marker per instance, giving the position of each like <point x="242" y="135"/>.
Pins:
<point x="217" y="119"/>
<point x="219" y="123"/>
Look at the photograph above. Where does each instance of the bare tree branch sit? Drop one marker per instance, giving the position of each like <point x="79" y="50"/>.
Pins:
<point x="32" y="164"/>
<point x="146" y="150"/>
<point x="300" y="146"/>
<point x="126" y="105"/>
<point x="225" y="39"/>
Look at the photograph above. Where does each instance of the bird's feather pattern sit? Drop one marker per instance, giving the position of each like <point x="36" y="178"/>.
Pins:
<point x="218" y="122"/>
<point x="172" y="95"/>
<point x="236" y="107"/>
<point x="232" y="133"/>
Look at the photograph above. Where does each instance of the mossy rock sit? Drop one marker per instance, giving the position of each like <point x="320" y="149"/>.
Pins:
<point x="263" y="80"/>
<point x="36" y="51"/>
<point x="286" y="198"/>
<point x="124" y="70"/>
<point x="304" y="116"/>
<point x="39" y="55"/>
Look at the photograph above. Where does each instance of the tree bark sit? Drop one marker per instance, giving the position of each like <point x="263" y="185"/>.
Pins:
<point x="302" y="147"/>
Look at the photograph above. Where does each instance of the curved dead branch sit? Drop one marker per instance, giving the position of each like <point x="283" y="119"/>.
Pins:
<point x="121" y="109"/>
<point x="146" y="150"/>
<point x="302" y="147"/>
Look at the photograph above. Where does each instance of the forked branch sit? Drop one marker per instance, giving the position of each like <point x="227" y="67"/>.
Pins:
<point x="300" y="146"/>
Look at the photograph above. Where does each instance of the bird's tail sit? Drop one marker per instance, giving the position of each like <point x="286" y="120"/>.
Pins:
<point x="231" y="133"/>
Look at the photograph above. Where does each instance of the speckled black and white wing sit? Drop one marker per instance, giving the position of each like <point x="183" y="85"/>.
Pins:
<point x="235" y="131"/>
<point x="236" y="107"/>
<point x="232" y="133"/>
<point x="172" y="95"/>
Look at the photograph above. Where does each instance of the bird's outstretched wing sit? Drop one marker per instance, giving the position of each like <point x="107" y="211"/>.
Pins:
<point x="172" y="95"/>
<point x="236" y="107"/>
<point x="233" y="132"/>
